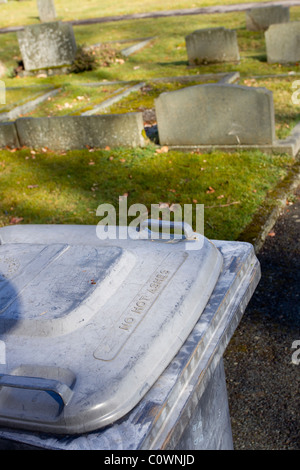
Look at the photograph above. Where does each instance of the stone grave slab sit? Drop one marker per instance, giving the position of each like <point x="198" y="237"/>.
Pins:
<point x="47" y="45"/>
<point x="216" y="114"/>
<point x="78" y="132"/>
<point x="283" y="43"/>
<point x="46" y="9"/>
<point x="8" y="135"/>
<point x="259" y="19"/>
<point x="212" y="45"/>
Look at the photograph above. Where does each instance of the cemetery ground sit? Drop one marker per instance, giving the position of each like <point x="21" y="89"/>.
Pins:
<point x="42" y="186"/>
<point x="69" y="10"/>
<point x="237" y="189"/>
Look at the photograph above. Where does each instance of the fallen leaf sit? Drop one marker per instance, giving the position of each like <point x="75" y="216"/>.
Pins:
<point x="122" y="160"/>
<point x="195" y="201"/>
<point x="210" y="190"/>
<point x="91" y="162"/>
<point x="163" y="149"/>
<point x="221" y="196"/>
<point x="271" y="234"/>
<point x="31" y="186"/>
<point x="15" y="220"/>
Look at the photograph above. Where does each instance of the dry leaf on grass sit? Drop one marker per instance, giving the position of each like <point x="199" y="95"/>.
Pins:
<point x="15" y="220"/>
<point x="210" y="190"/>
<point x="163" y="149"/>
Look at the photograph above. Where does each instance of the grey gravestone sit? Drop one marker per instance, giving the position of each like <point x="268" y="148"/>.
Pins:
<point x="259" y="19"/>
<point x="77" y="132"/>
<point x="46" y="10"/>
<point x="283" y="43"/>
<point x="47" y="45"/>
<point x="212" y="45"/>
<point x="8" y="135"/>
<point x="216" y="114"/>
<point x="2" y="69"/>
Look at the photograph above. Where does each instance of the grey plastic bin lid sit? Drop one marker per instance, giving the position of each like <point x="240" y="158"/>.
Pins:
<point x="88" y="325"/>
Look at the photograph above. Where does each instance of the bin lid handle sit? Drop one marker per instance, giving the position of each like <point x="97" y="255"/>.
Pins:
<point x="37" y="383"/>
<point x="166" y="230"/>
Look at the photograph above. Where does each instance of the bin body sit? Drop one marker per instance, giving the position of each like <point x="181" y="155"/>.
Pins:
<point x="186" y="407"/>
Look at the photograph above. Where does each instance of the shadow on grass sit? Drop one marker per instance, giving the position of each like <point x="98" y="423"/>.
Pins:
<point x="175" y="63"/>
<point x="259" y="57"/>
<point x="68" y="188"/>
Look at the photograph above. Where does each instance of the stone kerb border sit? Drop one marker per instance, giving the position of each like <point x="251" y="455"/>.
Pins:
<point x="30" y="105"/>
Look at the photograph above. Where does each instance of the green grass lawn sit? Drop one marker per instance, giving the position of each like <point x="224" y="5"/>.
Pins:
<point x="45" y="187"/>
<point x="21" y="13"/>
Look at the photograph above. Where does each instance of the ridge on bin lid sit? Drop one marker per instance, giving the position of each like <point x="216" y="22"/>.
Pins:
<point x="89" y="325"/>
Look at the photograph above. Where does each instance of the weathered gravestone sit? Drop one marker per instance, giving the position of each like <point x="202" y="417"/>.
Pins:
<point x="216" y="114"/>
<point x="78" y="132"/>
<point x="2" y="69"/>
<point x="212" y="45"/>
<point x="46" y="9"/>
<point x="283" y="43"/>
<point x="47" y="45"/>
<point x="2" y="92"/>
<point x="259" y="19"/>
<point x="8" y="135"/>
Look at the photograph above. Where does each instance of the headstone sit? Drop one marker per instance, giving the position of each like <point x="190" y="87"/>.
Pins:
<point x="78" y="132"/>
<point x="46" y="9"/>
<point x="47" y="45"/>
<point x="212" y="45"/>
<point x="2" y="69"/>
<point x="2" y="92"/>
<point x="259" y="19"/>
<point x="8" y="135"/>
<point x="216" y="114"/>
<point x="283" y="43"/>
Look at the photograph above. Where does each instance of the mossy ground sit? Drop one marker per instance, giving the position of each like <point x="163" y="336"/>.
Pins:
<point x="44" y="187"/>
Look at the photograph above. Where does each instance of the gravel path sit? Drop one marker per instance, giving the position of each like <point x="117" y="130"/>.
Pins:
<point x="262" y="381"/>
